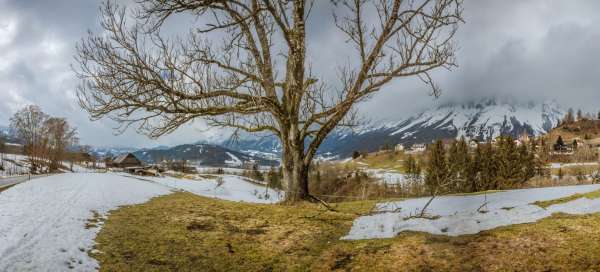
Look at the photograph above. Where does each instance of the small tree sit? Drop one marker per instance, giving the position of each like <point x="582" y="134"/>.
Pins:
<point x="437" y="173"/>
<point x="258" y="79"/>
<point x="569" y="118"/>
<point x="412" y="168"/>
<point x="28" y="126"/>
<point x="273" y="178"/>
<point x="579" y="115"/>
<point x="574" y="144"/>
<point x="60" y="137"/>
<point x="355" y="155"/>
<point x="560" y="144"/>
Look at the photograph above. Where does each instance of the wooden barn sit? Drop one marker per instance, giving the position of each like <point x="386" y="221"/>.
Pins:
<point x="124" y="161"/>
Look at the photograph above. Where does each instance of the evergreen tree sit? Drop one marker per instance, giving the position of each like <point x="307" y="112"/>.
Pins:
<point x="527" y="162"/>
<point x="437" y="173"/>
<point x="458" y="160"/>
<point x="598" y="115"/>
<point x="508" y="162"/>
<point x="473" y="169"/>
<point x="579" y="115"/>
<point x="489" y="168"/>
<point x="574" y="144"/>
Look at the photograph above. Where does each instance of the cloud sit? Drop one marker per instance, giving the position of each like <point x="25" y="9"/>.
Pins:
<point x="530" y="49"/>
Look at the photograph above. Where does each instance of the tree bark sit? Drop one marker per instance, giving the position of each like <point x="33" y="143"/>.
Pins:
<point x="295" y="172"/>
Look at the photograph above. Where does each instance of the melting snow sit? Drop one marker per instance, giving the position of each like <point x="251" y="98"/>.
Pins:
<point x="43" y="221"/>
<point x="459" y="215"/>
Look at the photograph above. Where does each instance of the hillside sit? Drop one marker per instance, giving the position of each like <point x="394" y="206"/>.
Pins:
<point x="201" y="154"/>
<point x="585" y="130"/>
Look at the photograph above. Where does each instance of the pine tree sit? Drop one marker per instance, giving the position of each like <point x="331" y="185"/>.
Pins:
<point x="458" y="160"/>
<point x="574" y="144"/>
<point x="579" y="115"/>
<point x="488" y="168"/>
<point x="508" y="162"/>
<point x="527" y="162"/>
<point x="473" y="169"/>
<point x="437" y="169"/>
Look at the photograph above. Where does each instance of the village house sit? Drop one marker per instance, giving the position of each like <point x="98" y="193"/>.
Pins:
<point x="124" y="161"/>
<point x="399" y="147"/>
<point x="417" y="148"/>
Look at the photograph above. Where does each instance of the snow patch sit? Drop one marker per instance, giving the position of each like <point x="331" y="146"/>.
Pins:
<point x="459" y="215"/>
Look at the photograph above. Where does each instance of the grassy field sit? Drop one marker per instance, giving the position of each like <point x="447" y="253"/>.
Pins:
<point x="184" y="232"/>
<point x="391" y="160"/>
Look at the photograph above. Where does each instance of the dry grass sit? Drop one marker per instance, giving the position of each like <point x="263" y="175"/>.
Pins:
<point x="590" y="195"/>
<point x="390" y="160"/>
<point x="6" y="188"/>
<point x="184" y="232"/>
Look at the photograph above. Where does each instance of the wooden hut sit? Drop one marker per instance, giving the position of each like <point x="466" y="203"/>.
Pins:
<point x="125" y="161"/>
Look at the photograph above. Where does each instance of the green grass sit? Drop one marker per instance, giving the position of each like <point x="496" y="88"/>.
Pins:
<point x="185" y="232"/>
<point x="546" y="204"/>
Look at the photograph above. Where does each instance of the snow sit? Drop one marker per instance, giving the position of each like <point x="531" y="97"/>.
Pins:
<point x="487" y="119"/>
<point x="234" y="188"/>
<point x="387" y="176"/>
<point x="459" y="215"/>
<point x="42" y="221"/>
<point x="14" y="165"/>
<point x="233" y="160"/>
<point x="575" y="164"/>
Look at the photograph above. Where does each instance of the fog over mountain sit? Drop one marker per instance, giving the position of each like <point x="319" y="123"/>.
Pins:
<point x="530" y="50"/>
<point x="479" y="120"/>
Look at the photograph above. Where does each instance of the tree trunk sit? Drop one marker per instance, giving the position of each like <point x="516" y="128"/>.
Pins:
<point x="295" y="173"/>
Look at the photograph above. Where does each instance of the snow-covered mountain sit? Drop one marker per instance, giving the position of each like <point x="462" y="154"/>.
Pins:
<point x="480" y="120"/>
<point x="200" y="154"/>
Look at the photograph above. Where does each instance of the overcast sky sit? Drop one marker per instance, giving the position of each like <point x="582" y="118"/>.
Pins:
<point x="523" y="49"/>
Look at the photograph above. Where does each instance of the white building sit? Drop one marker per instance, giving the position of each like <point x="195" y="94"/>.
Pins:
<point x="418" y="148"/>
<point x="399" y="147"/>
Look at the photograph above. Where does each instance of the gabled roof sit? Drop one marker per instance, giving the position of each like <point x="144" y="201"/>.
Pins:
<point x="122" y="157"/>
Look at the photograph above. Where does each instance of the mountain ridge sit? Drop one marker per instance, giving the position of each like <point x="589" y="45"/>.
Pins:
<point x="479" y="120"/>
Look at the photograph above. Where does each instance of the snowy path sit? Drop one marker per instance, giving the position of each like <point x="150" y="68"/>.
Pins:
<point x="43" y="221"/>
<point x="459" y="215"/>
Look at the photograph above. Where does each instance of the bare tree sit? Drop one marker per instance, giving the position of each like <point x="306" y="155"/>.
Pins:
<point x="27" y="125"/>
<point x="60" y="137"/>
<point x="257" y="79"/>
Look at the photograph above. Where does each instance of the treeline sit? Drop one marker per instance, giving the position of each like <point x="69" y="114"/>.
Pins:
<point x="45" y="139"/>
<point x="456" y="168"/>
<point x="571" y="117"/>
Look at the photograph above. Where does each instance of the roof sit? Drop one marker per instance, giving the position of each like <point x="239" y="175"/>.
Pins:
<point x="122" y="158"/>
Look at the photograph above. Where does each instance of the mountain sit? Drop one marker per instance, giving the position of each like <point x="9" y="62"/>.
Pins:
<point x="200" y="154"/>
<point x="481" y="120"/>
<point x="103" y="152"/>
